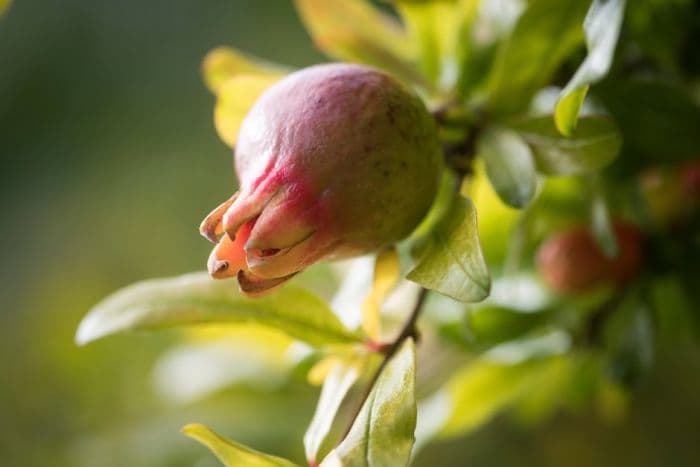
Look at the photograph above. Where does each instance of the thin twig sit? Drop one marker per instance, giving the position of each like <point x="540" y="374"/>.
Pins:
<point x="459" y="156"/>
<point x="407" y="330"/>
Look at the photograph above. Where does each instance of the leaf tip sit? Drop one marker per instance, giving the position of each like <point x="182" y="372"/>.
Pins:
<point x="87" y="331"/>
<point x="565" y="127"/>
<point x="193" y="430"/>
<point x="568" y="108"/>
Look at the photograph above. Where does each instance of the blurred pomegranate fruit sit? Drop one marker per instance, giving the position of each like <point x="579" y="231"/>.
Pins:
<point x="571" y="262"/>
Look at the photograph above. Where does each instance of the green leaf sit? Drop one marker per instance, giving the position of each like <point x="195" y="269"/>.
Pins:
<point x="567" y="109"/>
<point x="601" y="225"/>
<point x="546" y="33"/>
<point x="602" y="27"/>
<point x="441" y="204"/>
<point x="223" y="63"/>
<point x="230" y="453"/>
<point x="439" y="29"/>
<point x="383" y="432"/>
<point x="509" y="165"/>
<point x="659" y="121"/>
<point x="235" y="98"/>
<point x="451" y="261"/>
<point x="336" y="385"/>
<point x="630" y="337"/>
<point x="355" y="31"/>
<point x="195" y="298"/>
<point x="593" y="145"/>
<point x="490" y="325"/>
<point x="554" y="389"/>
<point x="483" y="388"/>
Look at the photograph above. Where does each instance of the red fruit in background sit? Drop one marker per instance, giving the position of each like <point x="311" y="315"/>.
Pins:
<point x="571" y="262"/>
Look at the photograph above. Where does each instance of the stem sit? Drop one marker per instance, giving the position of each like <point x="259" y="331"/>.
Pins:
<point x="459" y="156"/>
<point x="407" y="330"/>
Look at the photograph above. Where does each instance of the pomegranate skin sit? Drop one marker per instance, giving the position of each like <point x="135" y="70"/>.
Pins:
<point x="333" y="161"/>
<point x="571" y="262"/>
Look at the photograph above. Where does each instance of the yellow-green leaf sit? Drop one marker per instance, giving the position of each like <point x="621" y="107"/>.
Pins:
<point x="223" y="63"/>
<point x="230" y="453"/>
<point x="568" y="108"/>
<point x="337" y="383"/>
<point x="544" y="35"/>
<point x="386" y="274"/>
<point x="594" y="144"/>
<point x="510" y="166"/>
<point x="353" y="30"/>
<point x="483" y="388"/>
<point x="235" y="98"/>
<point x="196" y="298"/>
<point x="438" y="29"/>
<point x="601" y="223"/>
<point x="451" y="261"/>
<point x="602" y="28"/>
<point x="383" y="432"/>
<point x="358" y="17"/>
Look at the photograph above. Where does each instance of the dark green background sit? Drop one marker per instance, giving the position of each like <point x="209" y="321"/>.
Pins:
<point x="109" y="161"/>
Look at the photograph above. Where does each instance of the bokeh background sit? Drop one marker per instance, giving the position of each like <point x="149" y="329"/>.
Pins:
<point x="109" y="161"/>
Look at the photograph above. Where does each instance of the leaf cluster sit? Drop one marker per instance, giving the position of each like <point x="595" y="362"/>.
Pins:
<point x="546" y="123"/>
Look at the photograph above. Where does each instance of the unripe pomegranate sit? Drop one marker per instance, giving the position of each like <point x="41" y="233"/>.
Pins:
<point x="571" y="262"/>
<point x="333" y="161"/>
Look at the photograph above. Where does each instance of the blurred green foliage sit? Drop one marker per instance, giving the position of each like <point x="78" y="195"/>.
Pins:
<point x="109" y="155"/>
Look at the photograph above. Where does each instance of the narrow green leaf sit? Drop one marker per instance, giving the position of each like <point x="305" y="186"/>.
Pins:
<point x="223" y="63"/>
<point x="602" y="29"/>
<point x="630" y="336"/>
<point x="195" y="298"/>
<point x="491" y="325"/>
<point x="593" y="145"/>
<point x="336" y="385"/>
<point x="383" y="432"/>
<point x="568" y="108"/>
<point x="420" y="18"/>
<point x="601" y="225"/>
<point x="483" y="389"/>
<point x="439" y="29"/>
<point x="545" y="34"/>
<point x="451" y="261"/>
<point x="355" y="31"/>
<point x="230" y="453"/>
<point x="509" y="165"/>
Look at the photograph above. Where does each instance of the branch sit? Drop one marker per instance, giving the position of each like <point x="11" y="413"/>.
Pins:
<point x="407" y="330"/>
